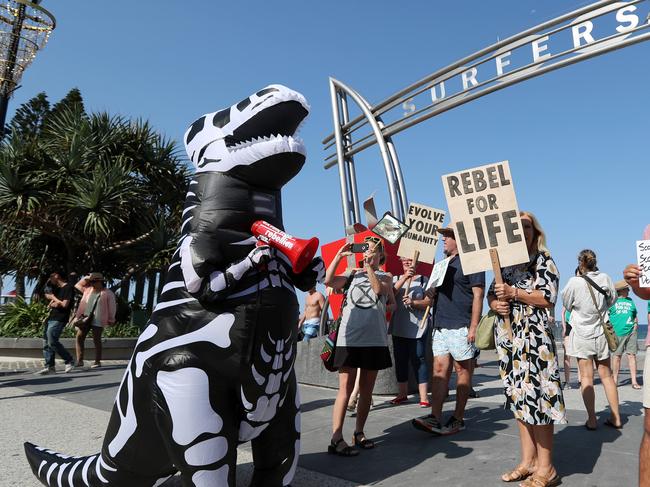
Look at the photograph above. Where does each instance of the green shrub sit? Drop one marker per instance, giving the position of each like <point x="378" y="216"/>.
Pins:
<point x="27" y="320"/>
<point x="22" y="319"/>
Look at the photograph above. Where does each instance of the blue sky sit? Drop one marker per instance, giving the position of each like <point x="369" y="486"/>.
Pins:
<point x="576" y="139"/>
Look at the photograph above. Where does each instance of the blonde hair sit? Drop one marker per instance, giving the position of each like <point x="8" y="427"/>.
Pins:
<point x="587" y="261"/>
<point x="539" y="239"/>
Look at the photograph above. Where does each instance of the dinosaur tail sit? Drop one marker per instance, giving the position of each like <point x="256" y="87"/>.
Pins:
<point x="56" y="469"/>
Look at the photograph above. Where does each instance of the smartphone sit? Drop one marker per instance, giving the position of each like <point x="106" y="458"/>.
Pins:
<point x="359" y="248"/>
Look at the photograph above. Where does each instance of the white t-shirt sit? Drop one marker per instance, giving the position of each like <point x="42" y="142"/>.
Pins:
<point x="585" y="319"/>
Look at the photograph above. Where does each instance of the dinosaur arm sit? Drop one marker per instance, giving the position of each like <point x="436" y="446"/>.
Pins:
<point x="307" y="279"/>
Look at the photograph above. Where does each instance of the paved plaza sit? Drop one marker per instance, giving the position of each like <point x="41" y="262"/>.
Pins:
<point x="69" y="412"/>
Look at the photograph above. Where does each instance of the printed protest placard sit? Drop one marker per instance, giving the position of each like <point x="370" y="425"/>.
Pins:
<point x="485" y="215"/>
<point x="643" y="259"/>
<point x="438" y="273"/>
<point x="423" y="234"/>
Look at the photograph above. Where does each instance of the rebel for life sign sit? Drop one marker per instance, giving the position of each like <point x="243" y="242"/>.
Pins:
<point x="423" y="233"/>
<point x="485" y="215"/>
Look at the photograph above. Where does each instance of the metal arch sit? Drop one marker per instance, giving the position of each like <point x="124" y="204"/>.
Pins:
<point x="538" y="67"/>
<point x="386" y="148"/>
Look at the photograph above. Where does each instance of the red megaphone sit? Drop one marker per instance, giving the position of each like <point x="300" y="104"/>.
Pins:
<point x="300" y="252"/>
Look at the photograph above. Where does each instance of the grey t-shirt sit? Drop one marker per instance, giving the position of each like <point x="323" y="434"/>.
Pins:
<point x="363" y="318"/>
<point x="405" y="322"/>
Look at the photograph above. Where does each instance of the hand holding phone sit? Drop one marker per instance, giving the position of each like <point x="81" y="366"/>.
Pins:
<point x="359" y="248"/>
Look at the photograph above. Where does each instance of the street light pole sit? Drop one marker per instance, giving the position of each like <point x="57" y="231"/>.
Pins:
<point x="25" y="28"/>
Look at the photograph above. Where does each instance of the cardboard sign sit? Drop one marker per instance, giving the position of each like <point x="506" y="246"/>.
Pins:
<point x="643" y="258"/>
<point x="485" y="215"/>
<point x="423" y="234"/>
<point x="438" y="273"/>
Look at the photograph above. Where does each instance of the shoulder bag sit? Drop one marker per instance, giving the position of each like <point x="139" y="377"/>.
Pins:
<point x="85" y="321"/>
<point x="608" y="329"/>
<point x="485" y="331"/>
<point x="329" y="346"/>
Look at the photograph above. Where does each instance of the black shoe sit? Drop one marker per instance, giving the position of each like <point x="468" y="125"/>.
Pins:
<point x="428" y="423"/>
<point x="453" y="425"/>
<point x="473" y="394"/>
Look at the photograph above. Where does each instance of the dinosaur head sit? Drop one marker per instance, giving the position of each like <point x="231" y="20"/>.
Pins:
<point x="252" y="140"/>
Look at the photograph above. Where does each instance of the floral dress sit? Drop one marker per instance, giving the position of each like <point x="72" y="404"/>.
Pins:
<point x="528" y="366"/>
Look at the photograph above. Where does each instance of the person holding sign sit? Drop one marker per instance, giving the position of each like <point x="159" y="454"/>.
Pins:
<point x="362" y="341"/>
<point x="588" y="297"/>
<point x="409" y="338"/>
<point x="632" y="273"/>
<point x="458" y="306"/>
<point x="529" y="367"/>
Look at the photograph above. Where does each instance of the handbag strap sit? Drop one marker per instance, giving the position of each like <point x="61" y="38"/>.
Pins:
<point x="593" y="298"/>
<point x="92" y="311"/>
<point x="602" y="291"/>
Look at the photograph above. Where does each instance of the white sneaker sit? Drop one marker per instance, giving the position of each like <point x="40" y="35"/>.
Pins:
<point x="69" y="367"/>
<point x="46" y="371"/>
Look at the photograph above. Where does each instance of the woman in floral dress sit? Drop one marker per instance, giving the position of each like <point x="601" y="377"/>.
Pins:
<point x="529" y="367"/>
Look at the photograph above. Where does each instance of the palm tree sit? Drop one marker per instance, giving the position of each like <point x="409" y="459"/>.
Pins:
<point x="87" y="191"/>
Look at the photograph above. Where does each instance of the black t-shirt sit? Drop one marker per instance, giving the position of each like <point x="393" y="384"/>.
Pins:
<point x="455" y="296"/>
<point x="65" y="293"/>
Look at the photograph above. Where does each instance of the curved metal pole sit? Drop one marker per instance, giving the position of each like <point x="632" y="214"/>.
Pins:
<point x="383" y="148"/>
<point x="352" y="175"/>
<point x="336" y="115"/>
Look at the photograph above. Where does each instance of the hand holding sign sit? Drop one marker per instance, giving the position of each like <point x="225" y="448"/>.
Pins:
<point x="643" y="258"/>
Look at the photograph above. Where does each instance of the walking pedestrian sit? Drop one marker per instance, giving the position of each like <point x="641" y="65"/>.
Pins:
<point x="457" y="311"/>
<point x="362" y="339"/>
<point x="60" y="298"/>
<point x="631" y="274"/>
<point x="98" y="301"/>
<point x="528" y="362"/>
<point x="588" y="297"/>
<point x="309" y="321"/>
<point x="624" y="319"/>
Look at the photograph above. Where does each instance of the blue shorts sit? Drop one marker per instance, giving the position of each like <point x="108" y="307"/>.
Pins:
<point x="451" y="341"/>
<point x="310" y="328"/>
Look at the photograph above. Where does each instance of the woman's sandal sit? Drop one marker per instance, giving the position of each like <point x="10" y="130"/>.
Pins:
<point x="365" y="444"/>
<point x="611" y="424"/>
<point x="399" y="400"/>
<point x="540" y="481"/>
<point x="345" y="451"/>
<point x="519" y="473"/>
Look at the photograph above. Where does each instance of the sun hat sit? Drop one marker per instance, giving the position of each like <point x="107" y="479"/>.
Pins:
<point x="621" y="285"/>
<point x="95" y="276"/>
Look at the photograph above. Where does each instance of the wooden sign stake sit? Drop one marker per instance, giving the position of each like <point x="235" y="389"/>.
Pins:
<point x="498" y="278"/>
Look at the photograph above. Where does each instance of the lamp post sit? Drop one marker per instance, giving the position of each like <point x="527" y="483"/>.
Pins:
<point x="25" y="28"/>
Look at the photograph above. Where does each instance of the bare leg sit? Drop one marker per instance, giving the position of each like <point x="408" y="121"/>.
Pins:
<point x="543" y="435"/>
<point x="347" y="377"/>
<point x="586" y="368"/>
<point x="422" y="389"/>
<point x="80" y="339"/>
<point x="528" y="449"/>
<point x="464" y="383"/>
<point x="366" y="385"/>
<point x="616" y="367"/>
<point x="631" y="358"/>
<point x="605" y="373"/>
<point x="567" y="363"/>
<point x="440" y="382"/>
<point x="644" y="452"/>
<point x="354" y="395"/>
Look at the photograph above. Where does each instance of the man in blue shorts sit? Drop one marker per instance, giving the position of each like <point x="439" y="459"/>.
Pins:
<point x="458" y="307"/>
<point x="309" y="322"/>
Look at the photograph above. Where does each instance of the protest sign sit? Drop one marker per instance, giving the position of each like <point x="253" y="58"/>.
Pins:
<point x="484" y="214"/>
<point x="643" y="259"/>
<point x="422" y="234"/>
<point x="438" y="273"/>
